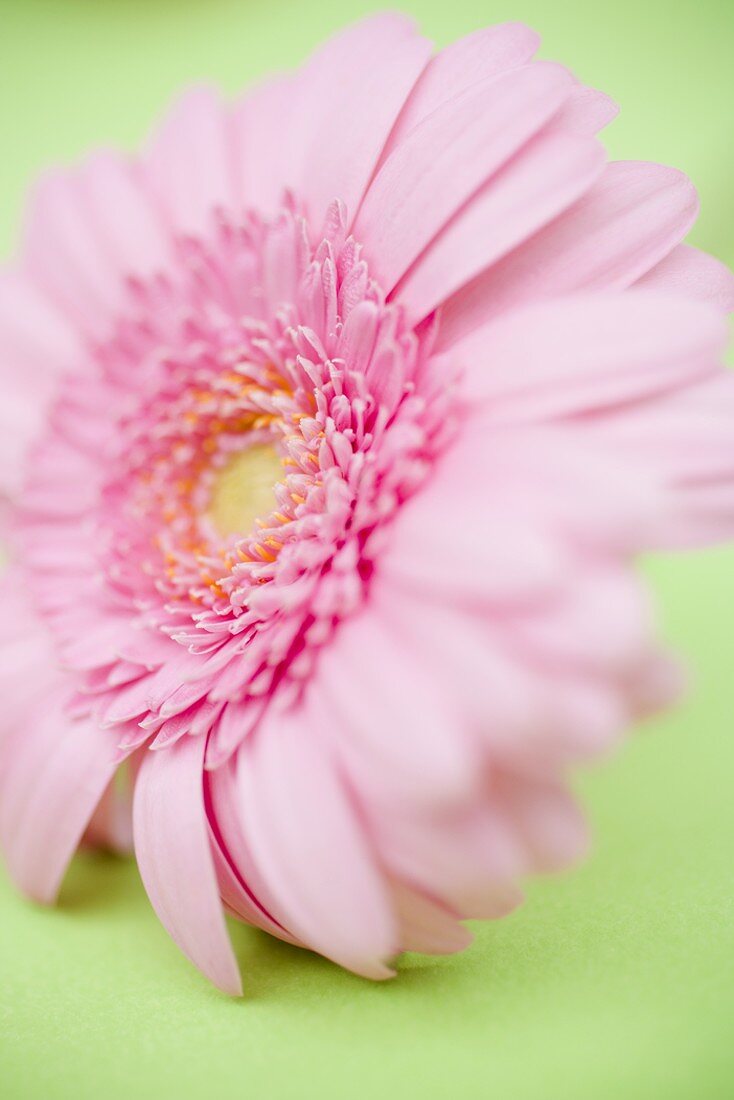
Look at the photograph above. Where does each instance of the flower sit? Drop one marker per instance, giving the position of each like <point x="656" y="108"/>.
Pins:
<point x="332" y="427"/>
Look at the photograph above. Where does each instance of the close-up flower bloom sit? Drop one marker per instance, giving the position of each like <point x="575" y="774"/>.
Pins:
<point x="333" y="426"/>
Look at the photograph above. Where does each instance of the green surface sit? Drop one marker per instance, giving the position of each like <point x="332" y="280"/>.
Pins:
<point x="614" y="981"/>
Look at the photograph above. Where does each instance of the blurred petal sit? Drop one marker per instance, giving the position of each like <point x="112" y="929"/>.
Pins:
<point x="310" y="847"/>
<point x="174" y="855"/>
<point x="626" y="223"/>
<point x="415" y="192"/>
<point x="692" y="274"/>
<point x="56" y="776"/>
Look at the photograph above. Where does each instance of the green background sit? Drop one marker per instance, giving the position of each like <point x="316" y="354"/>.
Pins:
<point x="616" y="980"/>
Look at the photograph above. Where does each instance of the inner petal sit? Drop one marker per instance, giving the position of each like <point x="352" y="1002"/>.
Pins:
<point x="243" y="489"/>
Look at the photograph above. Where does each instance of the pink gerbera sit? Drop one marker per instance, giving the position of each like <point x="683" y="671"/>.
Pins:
<point x="332" y="427"/>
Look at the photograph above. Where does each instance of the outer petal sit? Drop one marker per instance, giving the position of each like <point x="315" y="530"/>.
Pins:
<point x="356" y="85"/>
<point x="485" y="53"/>
<point x="425" y="925"/>
<point x="684" y="445"/>
<point x="65" y="255"/>
<point x="693" y="274"/>
<point x="311" y="848"/>
<point x="535" y="714"/>
<point x="224" y="802"/>
<point x="190" y="161"/>
<point x="416" y="191"/>
<point x="545" y="177"/>
<point x="110" y="826"/>
<point x="469" y="558"/>
<point x="27" y="665"/>
<point x="386" y="718"/>
<point x="88" y="230"/>
<point x="175" y="859"/>
<point x="585" y="112"/>
<point x="584" y="353"/>
<point x="54" y="779"/>
<point x="624" y="225"/>
<point x="123" y="212"/>
<point x="38" y="342"/>
<point x="468" y="858"/>
<point x="268" y="142"/>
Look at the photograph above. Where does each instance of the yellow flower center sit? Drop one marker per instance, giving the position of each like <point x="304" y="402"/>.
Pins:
<point x="243" y="489"/>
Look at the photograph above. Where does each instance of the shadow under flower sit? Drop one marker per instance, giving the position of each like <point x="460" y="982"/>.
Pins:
<point x="99" y="882"/>
<point x="274" y="969"/>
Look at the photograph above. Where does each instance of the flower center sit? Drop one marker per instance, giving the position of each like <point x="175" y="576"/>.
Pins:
<point x="243" y="490"/>
<point x="259" y="435"/>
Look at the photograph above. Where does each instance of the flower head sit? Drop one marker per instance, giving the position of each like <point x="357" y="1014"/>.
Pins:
<point x="334" y="423"/>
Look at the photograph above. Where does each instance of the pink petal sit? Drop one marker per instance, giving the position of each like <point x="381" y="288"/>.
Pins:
<point x="20" y="421"/>
<point x="624" y="225"/>
<point x="425" y="925"/>
<point x="549" y="821"/>
<point x="504" y="562"/>
<point x="685" y="445"/>
<point x="311" y="848"/>
<point x="545" y="177"/>
<point x="693" y="274"/>
<point x="388" y="720"/>
<point x="583" y="353"/>
<point x="65" y="255"/>
<point x="361" y="79"/>
<point x="175" y="859"/>
<point x="416" y="192"/>
<point x="467" y="859"/>
<point x="585" y="112"/>
<point x="482" y="54"/>
<point x="190" y="164"/>
<point x="55" y="777"/>
<point x="236" y="899"/>
<point x="268" y="142"/>
<point x="123" y="212"/>
<point x="534" y="714"/>
<point x="257" y="904"/>
<point x="547" y="478"/>
<point x="110" y="826"/>
<point x="602" y="623"/>
<point x="38" y="341"/>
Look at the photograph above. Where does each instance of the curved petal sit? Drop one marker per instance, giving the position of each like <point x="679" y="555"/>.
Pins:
<point x="545" y="177"/>
<point x="693" y="274"/>
<point x="585" y="353"/>
<point x="110" y="826"/>
<point x="485" y="53"/>
<point x="65" y="256"/>
<point x="268" y="142"/>
<point x="55" y="777"/>
<point x="416" y="191"/>
<point x="310" y="846"/>
<point x="356" y="85"/>
<point x="387" y="720"/>
<point x="585" y="112"/>
<point x="425" y="925"/>
<point x="189" y="162"/>
<point x="123" y="212"/>
<point x="632" y="217"/>
<point x="467" y="859"/>
<point x="683" y="444"/>
<point x="538" y="715"/>
<point x="175" y="858"/>
<point x="248" y="895"/>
